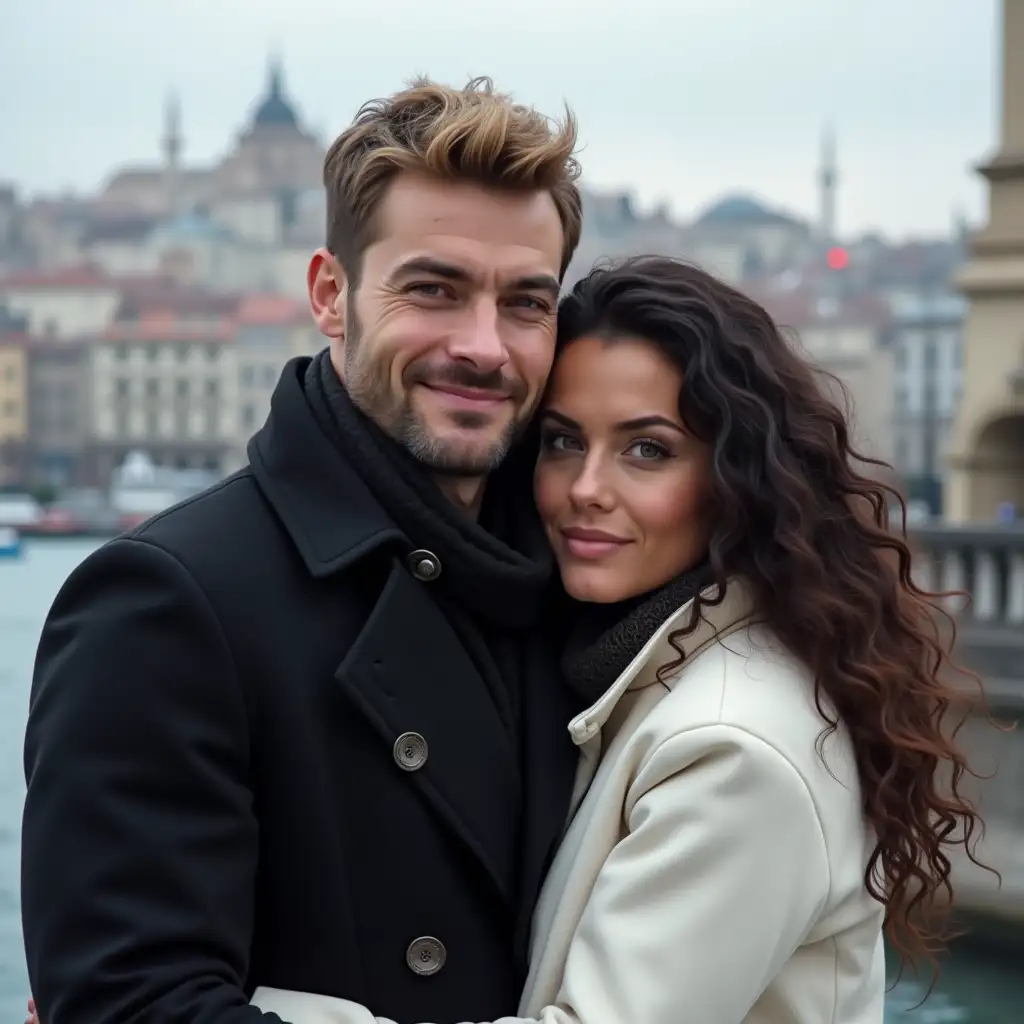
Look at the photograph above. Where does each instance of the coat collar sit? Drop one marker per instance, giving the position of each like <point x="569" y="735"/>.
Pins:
<point x="328" y="511"/>
<point x="717" y="621"/>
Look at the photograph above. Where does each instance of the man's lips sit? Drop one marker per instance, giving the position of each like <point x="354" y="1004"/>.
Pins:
<point x="470" y="398"/>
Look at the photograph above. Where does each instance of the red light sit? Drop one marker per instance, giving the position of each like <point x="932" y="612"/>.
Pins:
<point x="837" y="258"/>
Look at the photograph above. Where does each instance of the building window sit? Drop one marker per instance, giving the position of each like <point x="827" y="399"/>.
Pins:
<point x="930" y="357"/>
<point x="182" y="387"/>
<point x="902" y="452"/>
<point x="121" y="387"/>
<point x="153" y="388"/>
<point x="211" y="388"/>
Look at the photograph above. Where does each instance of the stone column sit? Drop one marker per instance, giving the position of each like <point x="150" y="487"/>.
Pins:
<point x="985" y="457"/>
<point x="1013" y="77"/>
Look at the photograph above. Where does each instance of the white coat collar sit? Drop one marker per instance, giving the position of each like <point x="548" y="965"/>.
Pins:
<point x="716" y="622"/>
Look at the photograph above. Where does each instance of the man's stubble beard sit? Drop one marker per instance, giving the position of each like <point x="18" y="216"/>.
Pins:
<point x="368" y="384"/>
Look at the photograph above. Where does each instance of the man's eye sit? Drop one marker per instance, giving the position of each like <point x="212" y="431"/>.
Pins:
<point x="430" y="289"/>
<point x="530" y="302"/>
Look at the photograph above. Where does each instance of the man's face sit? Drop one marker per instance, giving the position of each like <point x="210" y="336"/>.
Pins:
<point x="447" y="340"/>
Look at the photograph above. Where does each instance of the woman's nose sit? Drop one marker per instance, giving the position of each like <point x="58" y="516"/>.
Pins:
<point x="590" y="488"/>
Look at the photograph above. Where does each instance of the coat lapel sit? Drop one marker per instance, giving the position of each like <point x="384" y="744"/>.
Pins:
<point x="549" y="767"/>
<point x="408" y="673"/>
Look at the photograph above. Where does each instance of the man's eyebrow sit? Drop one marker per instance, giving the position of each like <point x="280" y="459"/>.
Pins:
<point x="453" y="272"/>
<point x="536" y="283"/>
<point x="432" y="266"/>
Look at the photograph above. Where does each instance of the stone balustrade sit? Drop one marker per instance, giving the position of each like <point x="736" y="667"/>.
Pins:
<point x="987" y="562"/>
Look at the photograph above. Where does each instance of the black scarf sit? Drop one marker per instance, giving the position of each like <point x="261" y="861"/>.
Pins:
<point x="497" y="569"/>
<point x="604" y="639"/>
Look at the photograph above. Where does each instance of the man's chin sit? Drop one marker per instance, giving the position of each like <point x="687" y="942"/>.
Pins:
<point x="456" y="454"/>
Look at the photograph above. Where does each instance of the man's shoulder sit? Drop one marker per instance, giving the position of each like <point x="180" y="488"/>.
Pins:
<point x="227" y="539"/>
<point x="228" y="517"/>
<point x="233" y="544"/>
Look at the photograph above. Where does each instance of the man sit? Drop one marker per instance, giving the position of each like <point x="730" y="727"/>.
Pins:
<point x="304" y="730"/>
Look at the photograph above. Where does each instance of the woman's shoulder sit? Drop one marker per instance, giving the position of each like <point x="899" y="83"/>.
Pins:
<point x="749" y="684"/>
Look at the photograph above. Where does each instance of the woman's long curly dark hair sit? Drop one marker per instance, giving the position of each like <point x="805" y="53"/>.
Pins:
<point x="830" y="575"/>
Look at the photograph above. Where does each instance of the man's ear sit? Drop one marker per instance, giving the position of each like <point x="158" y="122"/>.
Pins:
<point x="328" y="290"/>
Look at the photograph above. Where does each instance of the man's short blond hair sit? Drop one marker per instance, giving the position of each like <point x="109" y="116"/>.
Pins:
<point x="473" y="134"/>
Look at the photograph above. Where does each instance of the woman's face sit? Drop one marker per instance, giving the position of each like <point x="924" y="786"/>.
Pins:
<point x="621" y="485"/>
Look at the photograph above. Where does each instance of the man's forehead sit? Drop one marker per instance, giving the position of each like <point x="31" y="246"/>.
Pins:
<point x="486" y="229"/>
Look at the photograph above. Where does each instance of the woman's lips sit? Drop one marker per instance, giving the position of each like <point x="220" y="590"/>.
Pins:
<point x="592" y="545"/>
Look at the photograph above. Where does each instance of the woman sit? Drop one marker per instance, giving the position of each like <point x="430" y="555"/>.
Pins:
<point x="756" y="792"/>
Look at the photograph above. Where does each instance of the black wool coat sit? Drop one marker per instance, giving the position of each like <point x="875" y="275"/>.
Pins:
<point x="257" y="754"/>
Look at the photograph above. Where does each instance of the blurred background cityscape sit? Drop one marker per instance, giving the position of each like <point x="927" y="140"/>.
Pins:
<point x="144" y="320"/>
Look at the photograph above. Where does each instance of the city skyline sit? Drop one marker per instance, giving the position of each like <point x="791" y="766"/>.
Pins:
<point x="791" y="72"/>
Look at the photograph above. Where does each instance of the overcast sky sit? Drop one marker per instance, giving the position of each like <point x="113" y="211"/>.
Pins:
<point x="680" y="100"/>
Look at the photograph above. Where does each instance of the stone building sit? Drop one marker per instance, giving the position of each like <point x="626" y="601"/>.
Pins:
<point x="13" y="397"/>
<point x="847" y="337"/>
<point x="270" y="330"/>
<point x="60" y="413"/>
<point x="163" y="381"/>
<point x="255" y="189"/>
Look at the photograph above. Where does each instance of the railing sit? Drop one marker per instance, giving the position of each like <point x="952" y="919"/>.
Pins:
<point x="985" y="561"/>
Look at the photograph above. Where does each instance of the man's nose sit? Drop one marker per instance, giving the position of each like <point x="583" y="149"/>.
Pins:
<point x="480" y="340"/>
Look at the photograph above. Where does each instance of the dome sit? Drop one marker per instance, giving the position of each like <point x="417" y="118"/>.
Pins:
<point x="274" y="110"/>
<point x="740" y="210"/>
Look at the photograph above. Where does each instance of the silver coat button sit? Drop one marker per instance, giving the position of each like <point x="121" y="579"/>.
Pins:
<point x="410" y="751"/>
<point x="424" y="565"/>
<point x="426" y="955"/>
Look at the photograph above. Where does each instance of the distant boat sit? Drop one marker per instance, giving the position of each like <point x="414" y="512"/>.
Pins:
<point x="10" y="542"/>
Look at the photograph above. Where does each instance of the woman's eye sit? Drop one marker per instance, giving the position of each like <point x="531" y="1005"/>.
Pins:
<point x="561" y="443"/>
<point x="647" y="450"/>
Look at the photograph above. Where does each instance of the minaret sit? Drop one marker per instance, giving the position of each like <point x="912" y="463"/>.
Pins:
<point x="275" y="76"/>
<point x="961" y="229"/>
<point x="172" y="146"/>
<point x="827" y="181"/>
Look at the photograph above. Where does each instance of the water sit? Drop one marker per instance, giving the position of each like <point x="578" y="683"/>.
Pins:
<point x="27" y="588"/>
<point x="979" y="985"/>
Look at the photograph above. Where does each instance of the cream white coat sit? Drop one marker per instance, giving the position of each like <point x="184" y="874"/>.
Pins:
<point x="713" y="869"/>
